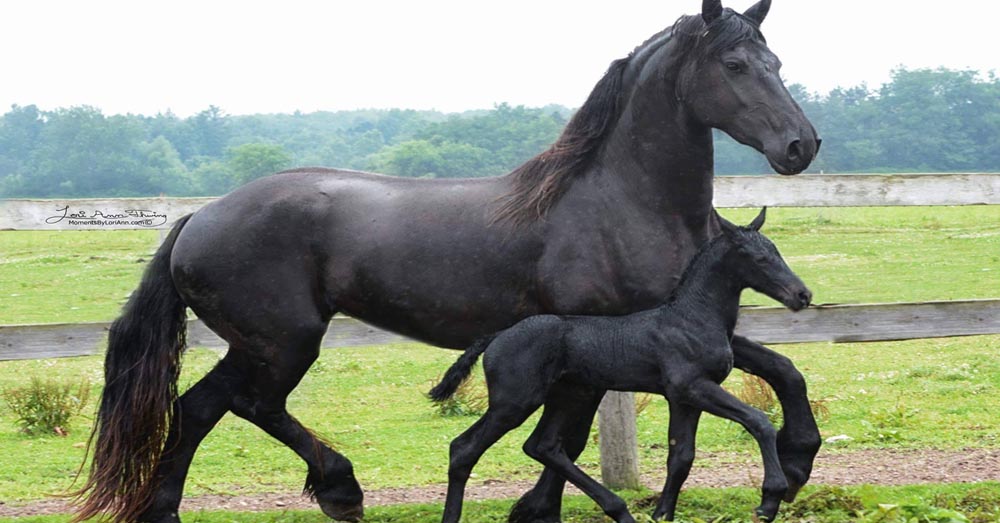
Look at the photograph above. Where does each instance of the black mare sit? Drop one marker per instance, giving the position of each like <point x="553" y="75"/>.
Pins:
<point x="600" y="223"/>
<point x="679" y="349"/>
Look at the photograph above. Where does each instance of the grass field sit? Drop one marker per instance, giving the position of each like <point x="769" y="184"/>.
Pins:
<point x="941" y="393"/>
<point x="846" y="255"/>
<point x="979" y="503"/>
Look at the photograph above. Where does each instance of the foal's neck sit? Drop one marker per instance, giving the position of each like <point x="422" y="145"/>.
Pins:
<point x="709" y="292"/>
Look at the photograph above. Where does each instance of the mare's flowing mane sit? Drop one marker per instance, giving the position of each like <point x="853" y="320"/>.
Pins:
<point x="539" y="182"/>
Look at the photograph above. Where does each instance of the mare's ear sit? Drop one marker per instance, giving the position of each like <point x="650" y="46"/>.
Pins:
<point x="758" y="222"/>
<point x="710" y="10"/>
<point x="758" y="11"/>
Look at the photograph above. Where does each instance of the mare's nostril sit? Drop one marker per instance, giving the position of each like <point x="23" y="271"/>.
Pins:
<point x="794" y="151"/>
<point x="819" y="142"/>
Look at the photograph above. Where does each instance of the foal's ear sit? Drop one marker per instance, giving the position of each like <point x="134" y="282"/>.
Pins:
<point x="758" y="222"/>
<point x="758" y="11"/>
<point x="728" y="228"/>
<point x="710" y="10"/>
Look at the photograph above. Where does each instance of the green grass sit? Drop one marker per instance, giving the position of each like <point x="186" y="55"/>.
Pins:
<point x="857" y="255"/>
<point x="980" y="503"/>
<point x="369" y="403"/>
<point x="73" y="276"/>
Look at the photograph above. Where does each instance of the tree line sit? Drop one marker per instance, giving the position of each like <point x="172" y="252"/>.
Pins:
<point x="924" y="120"/>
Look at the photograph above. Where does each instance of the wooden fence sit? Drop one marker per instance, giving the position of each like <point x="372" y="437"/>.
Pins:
<point x="837" y="323"/>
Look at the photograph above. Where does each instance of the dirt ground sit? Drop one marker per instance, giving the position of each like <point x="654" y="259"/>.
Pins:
<point x="883" y="467"/>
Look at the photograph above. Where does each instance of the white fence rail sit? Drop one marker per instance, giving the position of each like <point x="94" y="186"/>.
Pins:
<point x="818" y="190"/>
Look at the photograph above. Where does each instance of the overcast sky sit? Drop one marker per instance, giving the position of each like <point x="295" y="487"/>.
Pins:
<point x="265" y="57"/>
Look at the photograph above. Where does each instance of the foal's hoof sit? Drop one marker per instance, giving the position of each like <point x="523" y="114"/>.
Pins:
<point x="342" y="512"/>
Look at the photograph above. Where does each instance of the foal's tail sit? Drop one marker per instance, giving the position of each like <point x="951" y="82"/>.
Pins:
<point x="140" y="387"/>
<point x="460" y="370"/>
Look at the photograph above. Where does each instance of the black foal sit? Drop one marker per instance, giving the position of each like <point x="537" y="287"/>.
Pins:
<point x="680" y="349"/>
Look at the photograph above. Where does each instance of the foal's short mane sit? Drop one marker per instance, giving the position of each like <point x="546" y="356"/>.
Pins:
<point x="697" y="262"/>
<point x="539" y="182"/>
<point x="700" y="260"/>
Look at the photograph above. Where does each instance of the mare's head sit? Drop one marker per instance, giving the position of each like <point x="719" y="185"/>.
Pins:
<point x="730" y="80"/>
<point x="756" y="261"/>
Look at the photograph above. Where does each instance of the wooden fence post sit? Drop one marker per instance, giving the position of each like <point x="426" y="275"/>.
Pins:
<point x="619" y="444"/>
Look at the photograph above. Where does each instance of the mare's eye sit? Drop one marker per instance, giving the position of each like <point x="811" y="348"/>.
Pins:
<point x="734" y="67"/>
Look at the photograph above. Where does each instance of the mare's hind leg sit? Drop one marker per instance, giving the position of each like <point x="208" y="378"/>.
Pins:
<point x="198" y="410"/>
<point x="546" y="446"/>
<point x="798" y="439"/>
<point x="273" y="370"/>
<point x="543" y="503"/>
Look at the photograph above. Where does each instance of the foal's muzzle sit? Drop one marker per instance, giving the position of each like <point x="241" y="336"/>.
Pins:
<point x="799" y="300"/>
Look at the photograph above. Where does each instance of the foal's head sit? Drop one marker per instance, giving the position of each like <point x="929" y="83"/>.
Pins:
<point x="757" y="262"/>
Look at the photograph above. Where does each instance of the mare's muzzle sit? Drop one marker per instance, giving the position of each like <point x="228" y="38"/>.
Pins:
<point x="795" y="155"/>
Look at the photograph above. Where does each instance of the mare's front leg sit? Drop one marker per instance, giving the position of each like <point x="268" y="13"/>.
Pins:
<point x="709" y="396"/>
<point x="680" y="457"/>
<point x="798" y="439"/>
<point x="543" y="503"/>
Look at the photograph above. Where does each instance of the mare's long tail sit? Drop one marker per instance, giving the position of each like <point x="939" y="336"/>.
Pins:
<point x="140" y="388"/>
<point x="460" y="370"/>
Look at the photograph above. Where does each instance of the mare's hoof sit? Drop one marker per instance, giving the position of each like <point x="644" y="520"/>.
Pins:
<point x="171" y="517"/>
<point x="529" y="519"/>
<point x="796" y="457"/>
<point x="524" y="512"/>
<point x="342" y="512"/>
<point x="525" y="518"/>
<point x="792" y="492"/>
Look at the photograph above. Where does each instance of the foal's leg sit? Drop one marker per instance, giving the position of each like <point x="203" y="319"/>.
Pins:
<point x="546" y="446"/>
<point x="709" y="396"/>
<point x="470" y="445"/>
<point x="543" y="503"/>
<point x="197" y="411"/>
<point x="798" y="439"/>
<point x="680" y="457"/>
<point x="275" y="369"/>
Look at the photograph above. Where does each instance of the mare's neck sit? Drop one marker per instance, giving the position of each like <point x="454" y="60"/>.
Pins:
<point x="657" y="151"/>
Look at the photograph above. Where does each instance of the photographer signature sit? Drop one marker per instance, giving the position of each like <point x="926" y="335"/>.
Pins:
<point x="135" y="217"/>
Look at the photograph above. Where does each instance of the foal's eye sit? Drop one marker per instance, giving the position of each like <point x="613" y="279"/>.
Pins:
<point x="734" y="67"/>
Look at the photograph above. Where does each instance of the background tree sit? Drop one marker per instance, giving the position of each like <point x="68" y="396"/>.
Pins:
<point x="250" y="161"/>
